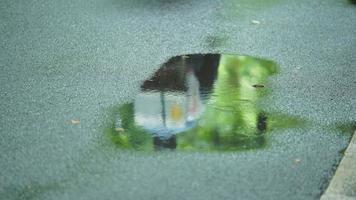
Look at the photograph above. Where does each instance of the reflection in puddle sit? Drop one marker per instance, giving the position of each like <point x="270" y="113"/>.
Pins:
<point x="199" y="102"/>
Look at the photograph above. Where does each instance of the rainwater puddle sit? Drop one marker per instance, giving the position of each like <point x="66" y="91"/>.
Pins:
<point x="200" y="102"/>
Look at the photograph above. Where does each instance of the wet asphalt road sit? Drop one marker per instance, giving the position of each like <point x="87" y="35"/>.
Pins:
<point x="66" y="60"/>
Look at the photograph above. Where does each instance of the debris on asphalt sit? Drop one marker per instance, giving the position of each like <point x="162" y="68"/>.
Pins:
<point x="75" y="121"/>
<point x="296" y="161"/>
<point x="256" y="22"/>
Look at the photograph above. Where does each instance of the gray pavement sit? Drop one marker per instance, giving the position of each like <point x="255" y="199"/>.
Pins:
<point x="343" y="184"/>
<point x="73" y="60"/>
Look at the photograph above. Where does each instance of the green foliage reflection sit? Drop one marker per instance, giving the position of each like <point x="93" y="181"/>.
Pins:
<point x="230" y="119"/>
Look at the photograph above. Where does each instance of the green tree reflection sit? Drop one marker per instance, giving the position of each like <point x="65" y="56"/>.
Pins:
<point x="228" y="118"/>
<point x="230" y="121"/>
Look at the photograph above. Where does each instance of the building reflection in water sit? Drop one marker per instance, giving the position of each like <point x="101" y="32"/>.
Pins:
<point x="198" y="102"/>
<point x="172" y="100"/>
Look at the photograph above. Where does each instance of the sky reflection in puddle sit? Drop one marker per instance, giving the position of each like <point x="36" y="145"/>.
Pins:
<point x="200" y="102"/>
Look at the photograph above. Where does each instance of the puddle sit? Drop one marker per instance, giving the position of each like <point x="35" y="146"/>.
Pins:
<point x="200" y="102"/>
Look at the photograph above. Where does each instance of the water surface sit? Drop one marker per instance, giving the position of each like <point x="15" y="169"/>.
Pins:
<point x="200" y="102"/>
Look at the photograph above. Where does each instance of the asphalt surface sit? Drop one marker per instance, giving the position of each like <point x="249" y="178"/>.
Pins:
<point x="74" y="60"/>
<point x="343" y="184"/>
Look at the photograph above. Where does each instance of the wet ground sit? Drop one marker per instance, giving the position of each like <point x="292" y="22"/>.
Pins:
<point x="68" y="69"/>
